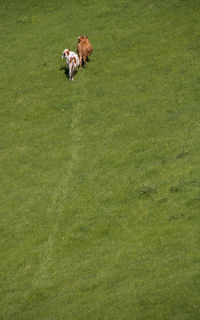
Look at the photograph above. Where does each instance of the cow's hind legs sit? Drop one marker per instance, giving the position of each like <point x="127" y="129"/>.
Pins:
<point x="85" y="61"/>
<point x="81" y="61"/>
<point x="70" y="71"/>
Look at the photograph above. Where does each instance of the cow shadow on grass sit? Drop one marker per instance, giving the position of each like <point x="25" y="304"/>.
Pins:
<point x="66" y="71"/>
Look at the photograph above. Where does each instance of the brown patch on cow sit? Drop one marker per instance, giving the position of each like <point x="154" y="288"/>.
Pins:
<point x="73" y="59"/>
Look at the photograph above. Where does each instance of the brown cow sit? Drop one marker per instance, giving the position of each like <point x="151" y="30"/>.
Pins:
<point x="84" y="49"/>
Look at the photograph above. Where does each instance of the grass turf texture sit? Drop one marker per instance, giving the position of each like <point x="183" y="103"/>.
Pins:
<point x="100" y="179"/>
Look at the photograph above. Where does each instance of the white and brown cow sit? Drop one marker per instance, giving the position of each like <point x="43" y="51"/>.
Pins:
<point x="84" y="49"/>
<point x="72" y="61"/>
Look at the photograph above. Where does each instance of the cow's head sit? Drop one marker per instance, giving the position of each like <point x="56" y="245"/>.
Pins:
<point x="65" y="53"/>
<point x="81" y="38"/>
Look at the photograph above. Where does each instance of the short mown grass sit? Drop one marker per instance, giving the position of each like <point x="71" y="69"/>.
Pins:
<point x="100" y="178"/>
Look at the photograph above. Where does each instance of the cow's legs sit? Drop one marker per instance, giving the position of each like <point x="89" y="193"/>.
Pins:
<point x="72" y="77"/>
<point x="80" y="59"/>
<point x="85" y="61"/>
<point x="70" y="71"/>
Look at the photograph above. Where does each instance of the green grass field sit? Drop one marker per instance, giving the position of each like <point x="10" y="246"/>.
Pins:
<point x="100" y="178"/>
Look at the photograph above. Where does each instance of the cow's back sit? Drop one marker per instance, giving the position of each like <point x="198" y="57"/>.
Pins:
<point x="84" y="47"/>
<point x="89" y="46"/>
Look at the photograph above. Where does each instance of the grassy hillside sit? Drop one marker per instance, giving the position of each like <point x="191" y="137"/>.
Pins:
<point x="100" y="178"/>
